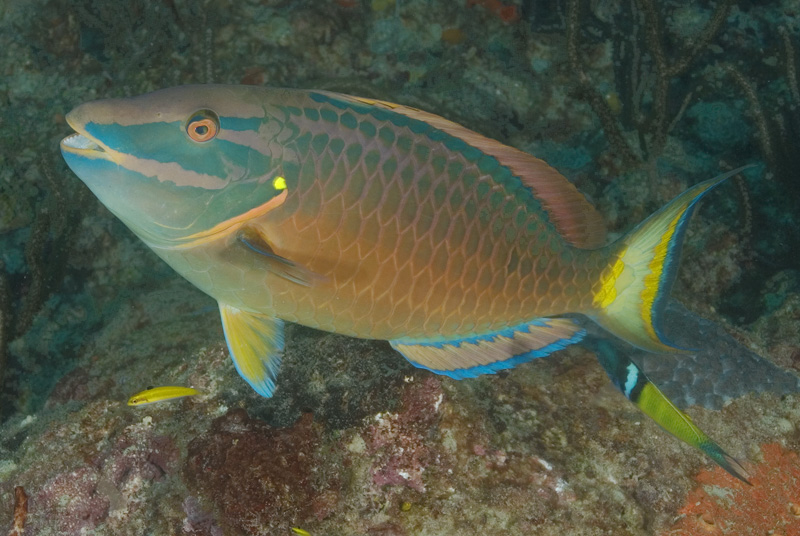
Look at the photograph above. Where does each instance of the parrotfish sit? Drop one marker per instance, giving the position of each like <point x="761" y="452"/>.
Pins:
<point x="380" y="221"/>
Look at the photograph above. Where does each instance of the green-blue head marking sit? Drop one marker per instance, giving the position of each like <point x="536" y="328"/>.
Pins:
<point x="179" y="161"/>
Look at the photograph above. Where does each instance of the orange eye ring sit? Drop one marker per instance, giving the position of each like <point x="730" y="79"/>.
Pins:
<point x="203" y="126"/>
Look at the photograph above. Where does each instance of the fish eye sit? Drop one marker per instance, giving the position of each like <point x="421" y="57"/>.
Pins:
<point x="203" y="126"/>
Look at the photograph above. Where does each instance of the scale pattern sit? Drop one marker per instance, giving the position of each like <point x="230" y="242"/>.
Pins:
<point x="419" y="233"/>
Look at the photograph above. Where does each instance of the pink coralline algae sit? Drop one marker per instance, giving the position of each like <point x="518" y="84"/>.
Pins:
<point x="198" y="522"/>
<point x="111" y="486"/>
<point x="71" y="501"/>
<point x="400" y="442"/>
<point x="146" y="458"/>
<point x="259" y="479"/>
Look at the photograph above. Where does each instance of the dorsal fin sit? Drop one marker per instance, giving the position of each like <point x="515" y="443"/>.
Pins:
<point x="574" y="217"/>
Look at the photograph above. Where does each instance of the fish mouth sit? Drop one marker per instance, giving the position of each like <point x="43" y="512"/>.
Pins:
<point x="82" y="144"/>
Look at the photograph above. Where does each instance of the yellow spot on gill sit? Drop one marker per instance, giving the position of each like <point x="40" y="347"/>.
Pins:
<point x="159" y="394"/>
<point x="608" y="283"/>
<point x="279" y="183"/>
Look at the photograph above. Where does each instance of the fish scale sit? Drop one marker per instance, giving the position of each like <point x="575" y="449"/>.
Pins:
<point x="376" y="220"/>
<point x="417" y="253"/>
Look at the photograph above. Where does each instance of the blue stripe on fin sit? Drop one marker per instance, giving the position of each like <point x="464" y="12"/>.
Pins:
<point x="469" y="357"/>
<point x="632" y="290"/>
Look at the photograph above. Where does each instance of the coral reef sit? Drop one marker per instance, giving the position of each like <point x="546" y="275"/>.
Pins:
<point x="259" y="479"/>
<point x="72" y="500"/>
<point x="47" y="246"/>
<point x="722" y="505"/>
<point x="520" y="452"/>
<point x="398" y="442"/>
<point x="106" y="491"/>
<point x="338" y="396"/>
<point x="646" y="74"/>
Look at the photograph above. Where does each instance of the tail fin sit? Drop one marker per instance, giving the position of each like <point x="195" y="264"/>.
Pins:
<point x="631" y="292"/>
<point x="637" y="387"/>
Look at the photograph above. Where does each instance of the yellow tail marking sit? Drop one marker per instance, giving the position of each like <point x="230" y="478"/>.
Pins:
<point x="661" y="409"/>
<point x="652" y="279"/>
<point x="608" y="283"/>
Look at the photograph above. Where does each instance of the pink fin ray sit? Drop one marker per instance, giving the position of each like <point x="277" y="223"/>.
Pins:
<point x="574" y="217"/>
<point x="486" y="354"/>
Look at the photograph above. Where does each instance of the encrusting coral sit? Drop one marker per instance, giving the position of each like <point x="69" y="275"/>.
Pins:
<point x="723" y="505"/>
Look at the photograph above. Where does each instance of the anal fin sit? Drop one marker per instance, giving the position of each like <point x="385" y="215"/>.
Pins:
<point x="487" y="353"/>
<point x="255" y="343"/>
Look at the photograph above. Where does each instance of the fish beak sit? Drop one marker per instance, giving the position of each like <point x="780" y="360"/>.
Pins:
<point x="81" y="143"/>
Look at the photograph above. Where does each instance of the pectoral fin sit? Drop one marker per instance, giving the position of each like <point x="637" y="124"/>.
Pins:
<point x="637" y="387"/>
<point x="281" y="266"/>
<point x="255" y="343"/>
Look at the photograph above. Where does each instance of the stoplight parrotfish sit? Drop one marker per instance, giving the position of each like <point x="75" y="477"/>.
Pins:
<point x="379" y="221"/>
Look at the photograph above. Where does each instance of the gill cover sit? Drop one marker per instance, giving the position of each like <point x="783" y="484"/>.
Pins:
<point x="176" y="162"/>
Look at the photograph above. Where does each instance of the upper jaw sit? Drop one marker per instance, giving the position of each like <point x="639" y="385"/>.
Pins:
<point x="81" y="143"/>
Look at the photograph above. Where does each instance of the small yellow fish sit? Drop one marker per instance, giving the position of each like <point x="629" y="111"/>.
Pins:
<point x="300" y="531"/>
<point x="159" y="394"/>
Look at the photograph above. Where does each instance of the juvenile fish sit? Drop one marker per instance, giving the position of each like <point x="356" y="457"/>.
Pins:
<point x="160" y="394"/>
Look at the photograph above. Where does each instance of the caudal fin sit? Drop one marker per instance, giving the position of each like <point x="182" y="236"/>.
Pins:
<point x="637" y="387"/>
<point x="631" y="292"/>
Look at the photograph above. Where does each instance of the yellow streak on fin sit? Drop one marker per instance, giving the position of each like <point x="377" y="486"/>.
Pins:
<point x="661" y="409"/>
<point x="652" y="281"/>
<point x="658" y="407"/>
<point x="607" y="293"/>
<point x="629" y="294"/>
<point x="255" y="342"/>
<point x="160" y="394"/>
<point x="637" y="387"/>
